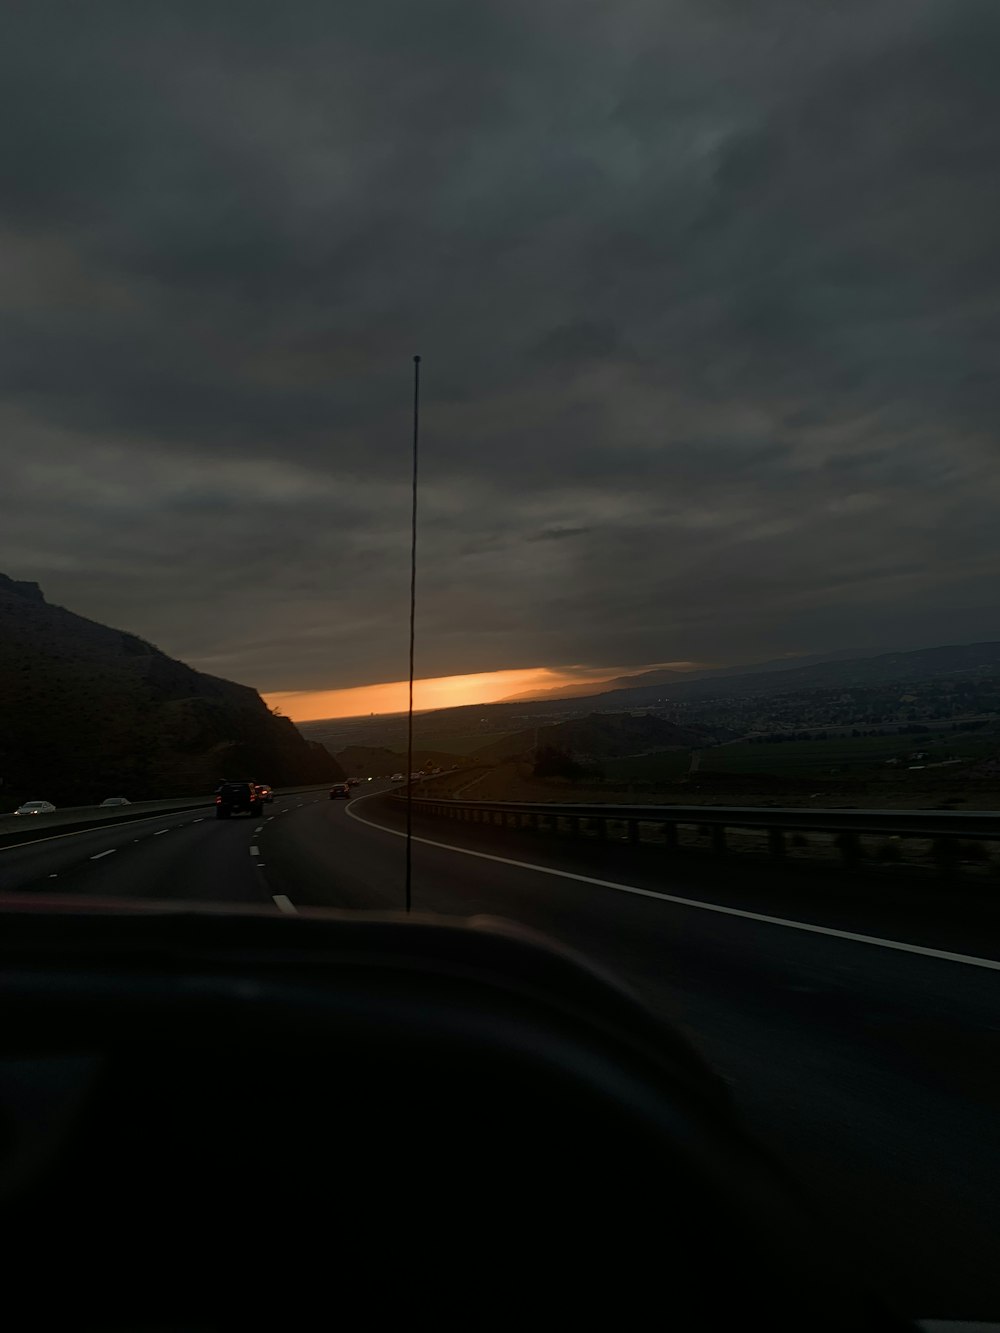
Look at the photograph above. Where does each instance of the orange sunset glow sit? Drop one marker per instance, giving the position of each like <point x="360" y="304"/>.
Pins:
<point x="436" y="692"/>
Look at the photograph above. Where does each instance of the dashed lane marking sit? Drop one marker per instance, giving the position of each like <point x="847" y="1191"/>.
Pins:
<point x="97" y="856"/>
<point x="255" y="851"/>
<point x="284" y="904"/>
<point x="159" y="831"/>
<point x="79" y="833"/>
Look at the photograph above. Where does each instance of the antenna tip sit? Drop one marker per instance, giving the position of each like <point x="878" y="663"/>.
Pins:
<point x="417" y="359"/>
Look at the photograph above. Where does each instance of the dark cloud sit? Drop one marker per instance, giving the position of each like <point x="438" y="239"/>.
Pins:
<point x="710" y="288"/>
<point x="558" y="534"/>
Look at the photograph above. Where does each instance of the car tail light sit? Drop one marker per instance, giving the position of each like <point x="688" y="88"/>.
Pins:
<point x="218" y="800"/>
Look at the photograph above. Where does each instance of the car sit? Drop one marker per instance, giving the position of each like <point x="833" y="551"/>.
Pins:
<point x="354" y="782"/>
<point x="339" y="790"/>
<point x="415" y="777"/>
<point x="35" y="808"/>
<point x="264" y="792"/>
<point x="233" y="798"/>
<point x="115" y="801"/>
<point x="397" y="777"/>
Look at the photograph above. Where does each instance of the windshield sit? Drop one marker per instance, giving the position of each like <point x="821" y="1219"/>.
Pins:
<point x="706" y="657"/>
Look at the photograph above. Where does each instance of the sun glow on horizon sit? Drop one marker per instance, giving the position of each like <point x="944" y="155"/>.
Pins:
<point x="481" y="687"/>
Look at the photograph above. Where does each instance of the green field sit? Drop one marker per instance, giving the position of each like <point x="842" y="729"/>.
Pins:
<point x="662" y="767"/>
<point x="845" y="753"/>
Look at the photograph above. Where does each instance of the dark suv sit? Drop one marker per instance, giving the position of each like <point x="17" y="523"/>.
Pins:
<point x="234" y="798"/>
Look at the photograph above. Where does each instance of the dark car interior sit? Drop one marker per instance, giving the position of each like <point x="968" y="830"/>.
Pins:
<point x="220" y="1119"/>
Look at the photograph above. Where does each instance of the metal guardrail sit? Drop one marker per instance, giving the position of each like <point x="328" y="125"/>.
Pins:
<point x="944" y="827"/>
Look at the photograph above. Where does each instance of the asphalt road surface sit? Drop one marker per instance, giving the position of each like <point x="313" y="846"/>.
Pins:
<point x="874" y="1068"/>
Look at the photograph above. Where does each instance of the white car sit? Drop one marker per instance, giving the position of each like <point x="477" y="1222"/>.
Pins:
<point x="115" y="800"/>
<point x="397" y="777"/>
<point x="35" y="808"/>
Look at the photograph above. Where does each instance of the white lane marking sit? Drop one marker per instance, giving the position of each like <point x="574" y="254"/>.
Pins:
<point x="259" y="865"/>
<point x="268" y="819"/>
<point x="255" y="851"/>
<point x="95" y="828"/>
<point x="284" y="904"/>
<point x="198" y="821"/>
<point x="109" y="852"/>
<point x="968" y="959"/>
<point x="55" y="875"/>
<point x="258" y="828"/>
<point x="159" y="831"/>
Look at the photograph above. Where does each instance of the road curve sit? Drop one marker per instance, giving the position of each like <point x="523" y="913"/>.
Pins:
<point x="872" y="1070"/>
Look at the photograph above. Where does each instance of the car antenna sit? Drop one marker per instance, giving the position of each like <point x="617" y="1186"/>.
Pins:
<point x="413" y="616"/>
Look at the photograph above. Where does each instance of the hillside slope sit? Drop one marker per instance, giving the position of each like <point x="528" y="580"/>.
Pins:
<point x="88" y="712"/>
<point x="599" y="736"/>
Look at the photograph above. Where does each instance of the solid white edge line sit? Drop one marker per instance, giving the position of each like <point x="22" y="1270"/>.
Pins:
<point x="284" y="904"/>
<point x="968" y="959"/>
<point x="97" y="856"/>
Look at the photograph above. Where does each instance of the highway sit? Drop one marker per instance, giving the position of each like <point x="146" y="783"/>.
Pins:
<point x="873" y="1068"/>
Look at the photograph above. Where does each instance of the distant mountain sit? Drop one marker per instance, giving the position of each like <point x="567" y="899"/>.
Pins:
<point x="923" y="664"/>
<point x="89" y="712"/>
<point x="592" y="688"/>
<point x="670" y="676"/>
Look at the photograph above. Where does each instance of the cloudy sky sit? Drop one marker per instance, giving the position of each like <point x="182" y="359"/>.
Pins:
<point x="707" y="294"/>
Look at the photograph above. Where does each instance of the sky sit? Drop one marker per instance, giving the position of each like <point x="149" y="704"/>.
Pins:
<point x="440" y="692"/>
<point x="707" y="294"/>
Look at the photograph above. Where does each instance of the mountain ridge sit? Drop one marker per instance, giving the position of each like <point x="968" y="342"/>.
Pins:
<point x="91" y="711"/>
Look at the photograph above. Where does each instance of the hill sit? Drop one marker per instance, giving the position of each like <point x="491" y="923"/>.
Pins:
<point x="599" y="736"/>
<point x="369" y="761"/>
<point x="90" y="712"/>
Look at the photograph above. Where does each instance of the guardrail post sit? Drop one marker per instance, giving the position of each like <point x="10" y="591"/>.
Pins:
<point x="946" y="853"/>
<point x="776" y="841"/>
<point x="850" y="848"/>
<point x="719" y="839"/>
